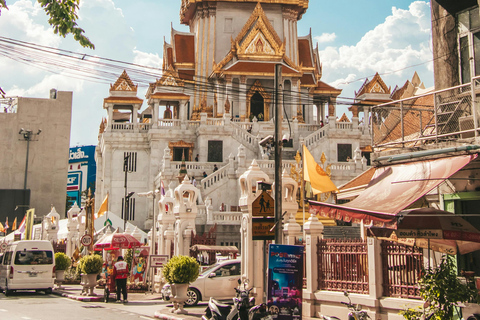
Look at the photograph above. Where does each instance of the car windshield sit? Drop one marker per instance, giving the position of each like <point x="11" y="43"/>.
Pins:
<point x="33" y="257"/>
<point x="209" y="269"/>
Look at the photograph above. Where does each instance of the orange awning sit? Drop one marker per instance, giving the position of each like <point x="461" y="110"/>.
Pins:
<point x="392" y="189"/>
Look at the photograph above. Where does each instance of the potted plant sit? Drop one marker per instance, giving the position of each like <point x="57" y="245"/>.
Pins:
<point x="179" y="272"/>
<point x="62" y="263"/>
<point x="89" y="267"/>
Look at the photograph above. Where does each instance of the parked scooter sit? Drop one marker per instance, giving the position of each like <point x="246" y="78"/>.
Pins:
<point x="356" y="312"/>
<point x="243" y="307"/>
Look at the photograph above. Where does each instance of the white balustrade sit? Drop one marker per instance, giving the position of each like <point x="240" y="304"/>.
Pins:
<point x="215" y="178"/>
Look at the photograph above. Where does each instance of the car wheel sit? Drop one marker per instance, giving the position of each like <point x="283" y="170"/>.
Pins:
<point x="193" y="297"/>
<point x="273" y="310"/>
<point x="48" y="291"/>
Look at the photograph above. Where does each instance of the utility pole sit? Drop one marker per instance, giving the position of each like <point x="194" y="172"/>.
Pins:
<point x="278" y="152"/>
<point x="127" y="195"/>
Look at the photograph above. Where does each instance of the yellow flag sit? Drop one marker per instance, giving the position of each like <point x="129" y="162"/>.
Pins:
<point x="2" y="229"/>
<point x="103" y="208"/>
<point x="317" y="177"/>
<point x="14" y="225"/>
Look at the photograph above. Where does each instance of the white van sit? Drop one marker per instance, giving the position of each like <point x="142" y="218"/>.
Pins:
<point x="27" y="265"/>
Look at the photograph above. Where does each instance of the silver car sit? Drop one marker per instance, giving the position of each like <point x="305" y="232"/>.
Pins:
<point x="218" y="281"/>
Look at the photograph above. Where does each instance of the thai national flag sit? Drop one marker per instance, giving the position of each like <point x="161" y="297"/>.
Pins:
<point x="162" y="188"/>
<point x="21" y="228"/>
<point x="6" y="224"/>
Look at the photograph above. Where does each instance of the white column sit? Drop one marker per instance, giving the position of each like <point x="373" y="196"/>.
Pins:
<point x="155" y="115"/>
<point x="313" y="232"/>
<point x="243" y="98"/>
<point x="109" y="117"/>
<point x="135" y="118"/>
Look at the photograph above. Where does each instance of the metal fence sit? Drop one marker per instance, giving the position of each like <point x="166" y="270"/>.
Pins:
<point x="343" y="265"/>
<point x="444" y="115"/>
<point x="402" y="267"/>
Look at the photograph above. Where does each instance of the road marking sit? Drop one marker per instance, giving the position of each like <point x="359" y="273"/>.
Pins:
<point x="3" y="310"/>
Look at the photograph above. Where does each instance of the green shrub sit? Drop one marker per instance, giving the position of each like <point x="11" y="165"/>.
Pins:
<point x="62" y="261"/>
<point x="90" y="264"/>
<point x="443" y="291"/>
<point x="181" y="269"/>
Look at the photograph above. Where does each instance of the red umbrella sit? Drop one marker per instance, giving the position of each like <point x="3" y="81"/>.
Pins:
<point x="433" y="229"/>
<point x="117" y="241"/>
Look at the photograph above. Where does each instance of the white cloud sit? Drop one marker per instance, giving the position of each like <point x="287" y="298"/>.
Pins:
<point x="51" y="81"/>
<point x="325" y="37"/>
<point x="26" y="21"/>
<point x="401" y="41"/>
<point x="147" y="59"/>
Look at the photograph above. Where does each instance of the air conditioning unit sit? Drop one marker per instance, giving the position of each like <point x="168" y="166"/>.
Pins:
<point x="466" y="123"/>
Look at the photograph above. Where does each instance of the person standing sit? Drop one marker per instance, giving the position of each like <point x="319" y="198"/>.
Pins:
<point x="120" y="273"/>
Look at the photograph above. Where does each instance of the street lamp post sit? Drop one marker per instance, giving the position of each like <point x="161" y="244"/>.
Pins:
<point x="127" y="195"/>
<point x="28" y="136"/>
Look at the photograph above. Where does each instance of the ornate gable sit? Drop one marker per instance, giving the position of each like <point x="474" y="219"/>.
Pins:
<point x="344" y="118"/>
<point x="376" y="85"/>
<point x="258" y="39"/>
<point x="170" y="78"/>
<point x="123" y="83"/>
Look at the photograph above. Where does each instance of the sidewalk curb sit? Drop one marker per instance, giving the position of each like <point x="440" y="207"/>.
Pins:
<point x="78" y="298"/>
<point x="165" y="314"/>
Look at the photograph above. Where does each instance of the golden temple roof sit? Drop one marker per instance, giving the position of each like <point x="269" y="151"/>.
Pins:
<point x="123" y="83"/>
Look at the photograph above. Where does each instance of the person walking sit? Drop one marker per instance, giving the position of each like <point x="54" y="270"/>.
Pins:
<point x="120" y="273"/>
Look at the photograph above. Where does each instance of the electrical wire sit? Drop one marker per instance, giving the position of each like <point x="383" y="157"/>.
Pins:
<point x="105" y="70"/>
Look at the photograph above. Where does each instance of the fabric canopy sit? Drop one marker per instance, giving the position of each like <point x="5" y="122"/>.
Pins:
<point x="392" y="189"/>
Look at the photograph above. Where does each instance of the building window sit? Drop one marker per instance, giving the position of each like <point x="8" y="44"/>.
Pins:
<point x="215" y="151"/>
<point x="130" y="161"/>
<point x="468" y="28"/>
<point x="344" y="152"/>
<point x="130" y="209"/>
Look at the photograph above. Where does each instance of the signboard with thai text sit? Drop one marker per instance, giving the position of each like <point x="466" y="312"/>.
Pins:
<point x="261" y="229"/>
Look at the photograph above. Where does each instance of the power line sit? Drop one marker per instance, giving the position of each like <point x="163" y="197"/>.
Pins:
<point x="105" y="70"/>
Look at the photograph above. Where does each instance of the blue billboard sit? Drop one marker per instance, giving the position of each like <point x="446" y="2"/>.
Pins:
<point x="82" y="171"/>
<point x="285" y="281"/>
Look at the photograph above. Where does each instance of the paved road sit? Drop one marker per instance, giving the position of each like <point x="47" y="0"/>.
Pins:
<point x="26" y="305"/>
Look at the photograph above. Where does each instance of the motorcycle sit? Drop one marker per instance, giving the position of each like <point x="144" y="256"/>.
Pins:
<point x="243" y="307"/>
<point x="356" y="312"/>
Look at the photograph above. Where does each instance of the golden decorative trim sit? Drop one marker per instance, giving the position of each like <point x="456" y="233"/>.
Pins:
<point x="123" y="83"/>
<point x="182" y="144"/>
<point x="258" y="37"/>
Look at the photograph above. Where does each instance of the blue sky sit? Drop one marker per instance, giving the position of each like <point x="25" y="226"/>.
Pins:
<point x="356" y="39"/>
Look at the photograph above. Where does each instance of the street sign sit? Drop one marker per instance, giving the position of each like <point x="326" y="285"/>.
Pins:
<point x="261" y="229"/>
<point x="86" y="240"/>
<point x="157" y="261"/>
<point x="263" y="206"/>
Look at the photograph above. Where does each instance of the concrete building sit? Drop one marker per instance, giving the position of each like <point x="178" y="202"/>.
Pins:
<point x="41" y="129"/>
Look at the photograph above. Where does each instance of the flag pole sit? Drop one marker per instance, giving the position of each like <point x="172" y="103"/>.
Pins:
<point x="303" y="190"/>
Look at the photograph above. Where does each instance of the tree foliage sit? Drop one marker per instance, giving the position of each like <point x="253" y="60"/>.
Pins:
<point x="443" y="291"/>
<point x="63" y="18"/>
